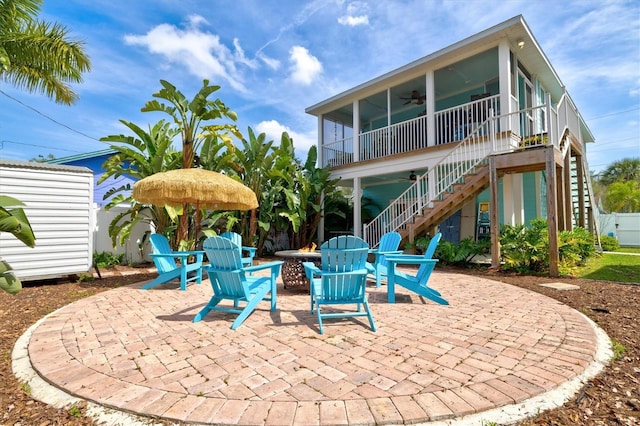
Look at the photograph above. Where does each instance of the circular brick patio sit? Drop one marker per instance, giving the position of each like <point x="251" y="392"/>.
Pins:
<point x="138" y="351"/>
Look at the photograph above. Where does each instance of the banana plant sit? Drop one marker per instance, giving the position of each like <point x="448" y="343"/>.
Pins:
<point x="13" y="220"/>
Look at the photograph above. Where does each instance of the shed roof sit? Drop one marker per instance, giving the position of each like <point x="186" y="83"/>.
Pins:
<point x="17" y="164"/>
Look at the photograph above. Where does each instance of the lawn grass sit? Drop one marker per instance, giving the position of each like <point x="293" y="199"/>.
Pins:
<point x="613" y="267"/>
<point x="628" y="250"/>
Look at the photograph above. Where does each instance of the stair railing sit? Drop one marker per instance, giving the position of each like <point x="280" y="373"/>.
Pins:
<point x="451" y="169"/>
<point x="480" y="142"/>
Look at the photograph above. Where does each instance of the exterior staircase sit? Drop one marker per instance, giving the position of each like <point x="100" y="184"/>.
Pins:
<point x="464" y="172"/>
<point x="448" y="203"/>
<point x="584" y="208"/>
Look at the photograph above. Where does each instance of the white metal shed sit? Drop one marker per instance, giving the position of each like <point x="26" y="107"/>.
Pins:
<point x="59" y="206"/>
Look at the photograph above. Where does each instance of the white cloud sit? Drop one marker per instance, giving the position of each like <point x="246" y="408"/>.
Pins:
<point x="274" y="64"/>
<point x="305" y="67"/>
<point x="200" y="52"/>
<point x="240" y="56"/>
<point x="353" y="21"/>
<point x="356" y="14"/>
<point x="301" y="142"/>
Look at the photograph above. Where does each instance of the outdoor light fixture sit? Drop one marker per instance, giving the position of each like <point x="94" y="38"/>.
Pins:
<point x="412" y="176"/>
<point x="521" y="43"/>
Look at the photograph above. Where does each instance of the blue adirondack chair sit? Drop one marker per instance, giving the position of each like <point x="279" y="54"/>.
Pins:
<point x="341" y="279"/>
<point x="165" y="260"/>
<point x="232" y="281"/>
<point x="237" y="240"/>
<point x="389" y="244"/>
<point x="418" y="282"/>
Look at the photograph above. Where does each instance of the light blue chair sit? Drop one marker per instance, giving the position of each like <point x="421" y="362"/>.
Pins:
<point x="389" y="244"/>
<point x="237" y="240"/>
<point x="418" y="282"/>
<point x="341" y="279"/>
<point x="232" y="281"/>
<point x="165" y="260"/>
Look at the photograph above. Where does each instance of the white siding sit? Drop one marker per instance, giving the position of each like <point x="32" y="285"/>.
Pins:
<point x="59" y="202"/>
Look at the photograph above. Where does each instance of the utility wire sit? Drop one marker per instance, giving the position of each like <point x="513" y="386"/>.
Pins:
<point x="48" y="118"/>
<point x="599" y="144"/>
<point x="613" y="113"/>
<point x="38" y="146"/>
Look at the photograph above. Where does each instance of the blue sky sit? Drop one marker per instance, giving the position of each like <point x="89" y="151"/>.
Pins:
<point x="273" y="59"/>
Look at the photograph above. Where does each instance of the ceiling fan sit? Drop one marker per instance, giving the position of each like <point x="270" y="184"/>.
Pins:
<point x="411" y="178"/>
<point x="416" y="98"/>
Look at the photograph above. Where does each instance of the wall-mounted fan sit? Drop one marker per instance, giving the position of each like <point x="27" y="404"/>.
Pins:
<point x="416" y="98"/>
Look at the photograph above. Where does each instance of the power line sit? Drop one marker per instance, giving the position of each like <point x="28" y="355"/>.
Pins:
<point x="38" y="146"/>
<point x="613" y="113"/>
<point x="47" y="117"/>
<point x="600" y="144"/>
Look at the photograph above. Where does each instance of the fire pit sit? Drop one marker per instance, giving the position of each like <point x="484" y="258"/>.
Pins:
<point x="293" y="276"/>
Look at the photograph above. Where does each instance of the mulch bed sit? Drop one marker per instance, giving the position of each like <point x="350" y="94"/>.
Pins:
<point x="611" y="398"/>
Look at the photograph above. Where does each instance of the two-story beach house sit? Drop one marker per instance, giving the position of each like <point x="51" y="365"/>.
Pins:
<point x="476" y="135"/>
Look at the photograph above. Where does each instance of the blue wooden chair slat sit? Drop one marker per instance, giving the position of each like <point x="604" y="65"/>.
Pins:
<point x="341" y="280"/>
<point x="389" y="244"/>
<point x="237" y="240"/>
<point x="418" y="282"/>
<point x="232" y="281"/>
<point x="165" y="261"/>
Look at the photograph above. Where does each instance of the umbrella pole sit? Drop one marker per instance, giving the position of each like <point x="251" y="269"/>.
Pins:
<point x="183" y="229"/>
<point x="198" y="223"/>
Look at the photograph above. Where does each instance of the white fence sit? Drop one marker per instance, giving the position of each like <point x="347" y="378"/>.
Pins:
<point x="624" y="226"/>
<point x="102" y="241"/>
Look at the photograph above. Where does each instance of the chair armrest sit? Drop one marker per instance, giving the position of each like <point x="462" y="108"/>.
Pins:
<point x="311" y="270"/>
<point x="268" y="265"/>
<point x="409" y="259"/>
<point x="391" y="252"/>
<point x="250" y="250"/>
<point x="181" y="254"/>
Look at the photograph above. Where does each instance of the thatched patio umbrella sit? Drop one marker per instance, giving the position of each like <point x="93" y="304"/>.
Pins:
<point x="204" y="189"/>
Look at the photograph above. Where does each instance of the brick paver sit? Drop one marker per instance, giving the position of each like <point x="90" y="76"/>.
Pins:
<point x="139" y="351"/>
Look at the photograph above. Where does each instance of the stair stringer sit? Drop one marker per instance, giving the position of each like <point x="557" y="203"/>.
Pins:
<point x="461" y="193"/>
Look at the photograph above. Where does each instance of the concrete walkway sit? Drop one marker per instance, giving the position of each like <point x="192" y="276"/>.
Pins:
<point x="496" y="353"/>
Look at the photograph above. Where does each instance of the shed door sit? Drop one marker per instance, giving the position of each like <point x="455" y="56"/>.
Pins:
<point x="450" y="228"/>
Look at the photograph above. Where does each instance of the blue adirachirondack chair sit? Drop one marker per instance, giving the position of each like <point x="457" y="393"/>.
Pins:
<point x="418" y="282"/>
<point x="389" y="244"/>
<point x="237" y="240"/>
<point x="232" y="281"/>
<point x="165" y="260"/>
<point x="341" y="279"/>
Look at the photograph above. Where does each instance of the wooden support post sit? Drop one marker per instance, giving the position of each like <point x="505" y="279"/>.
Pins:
<point x="568" y="196"/>
<point x="582" y="216"/>
<point x="552" y="212"/>
<point x="558" y="175"/>
<point x="412" y="239"/>
<point x="493" y="213"/>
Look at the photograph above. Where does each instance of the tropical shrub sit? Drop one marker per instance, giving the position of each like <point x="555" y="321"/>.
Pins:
<point x="106" y="259"/>
<point x="609" y="243"/>
<point x="526" y="249"/>
<point x="460" y="254"/>
<point x="575" y="248"/>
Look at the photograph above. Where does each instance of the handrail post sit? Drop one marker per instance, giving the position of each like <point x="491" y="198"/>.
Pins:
<point x="552" y="128"/>
<point x="492" y="132"/>
<point x="419" y="193"/>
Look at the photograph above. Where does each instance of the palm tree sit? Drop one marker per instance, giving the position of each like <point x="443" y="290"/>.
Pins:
<point x="189" y="116"/>
<point x="623" y="197"/>
<point x="38" y="56"/>
<point x="625" y="170"/>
